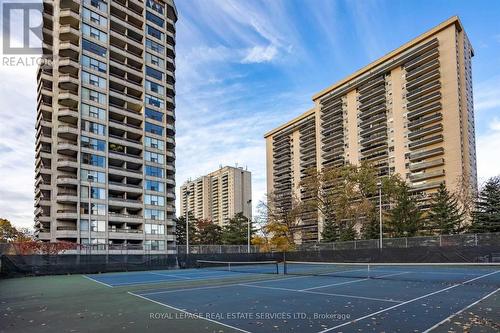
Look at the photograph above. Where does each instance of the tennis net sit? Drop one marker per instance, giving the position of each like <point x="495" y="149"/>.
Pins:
<point x="487" y="273"/>
<point x="257" y="267"/>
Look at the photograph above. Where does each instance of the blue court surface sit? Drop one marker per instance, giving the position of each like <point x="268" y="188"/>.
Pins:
<point x="387" y="299"/>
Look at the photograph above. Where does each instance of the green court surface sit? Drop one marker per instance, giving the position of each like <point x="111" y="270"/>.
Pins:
<point x="416" y="299"/>
<point x="73" y="303"/>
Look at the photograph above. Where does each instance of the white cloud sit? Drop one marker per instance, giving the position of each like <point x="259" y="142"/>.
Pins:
<point x="259" y="54"/>
<point x="487" y="94"/>
<point x="17" y="147"/>
<point x="488" y="159"/>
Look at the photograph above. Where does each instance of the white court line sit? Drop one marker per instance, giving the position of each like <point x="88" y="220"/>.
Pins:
<point x="333" y="284"/>
<point x="348" y="282"/>
<point x="459" y="312"/>
<point x="406" y="302"/>
<point x="91" y="279"/>
<point x="221" y="286"/>
<point x="171" y="275"/>
<point x="321" y="293"/>
<point x="188" y="313"/>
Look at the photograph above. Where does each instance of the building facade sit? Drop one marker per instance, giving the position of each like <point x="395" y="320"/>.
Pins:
<point x="105" y="140"/>
<point x="219" y="195"/>
<point x="410" y="112"/>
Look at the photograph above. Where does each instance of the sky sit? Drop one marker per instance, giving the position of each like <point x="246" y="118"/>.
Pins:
<point x="246" y="67"/>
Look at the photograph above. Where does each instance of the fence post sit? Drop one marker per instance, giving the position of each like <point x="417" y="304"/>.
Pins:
<point x="355" y="244"/>
<point x="406" y="242"/>
<point x="440" y="241"/>
<point x="475" y="239"/>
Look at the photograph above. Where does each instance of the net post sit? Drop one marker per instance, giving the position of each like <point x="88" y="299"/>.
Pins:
<point x="229" y="266"/>
<point x="284" y="264"/>
<point x="369" y="275"/>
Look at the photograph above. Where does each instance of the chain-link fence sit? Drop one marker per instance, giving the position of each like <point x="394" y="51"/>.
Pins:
<point x="215" y="249"/>
<point x="464" y="240"/>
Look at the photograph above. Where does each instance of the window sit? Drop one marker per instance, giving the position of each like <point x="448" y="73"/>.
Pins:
<point x="154" y="214"/>
<point x="98" y="209"/>
<point x="155" y="115"/>
<point x="154" y="171"/>
<point x="154" y="60"/>
<point x="154" y="200"/>
<point x="95" y="160"/>
<point x="92" y="143"/>
<point x="154" y="32"/>
<point x="99" y="4"/>
<point x="156" y="6"/>
<point x="94" y="80"/>
<point x="96" y="193"/>
<point x="153" y="185"/>
<point x="154" y="245"/>
<point x="154" y="143"/>
<point x="93" y="96"/>
<point x="154" y="46"/>
<point x="154" y="229"/>
<point x="154" y="73"/>
<point x="95" y="176"/>
<point x="98" y="226"/>
<point x="89" y="31"/>
<point x="155" y="87"/>
<point x="93" y="127"/>
<point x="93" y="111"/>
<point x="95" y="18"/>
<point x="94" y="48"/>
<point x="97" y="243"/>
<point x="155" y="101"/>
<point x="94" y="64"/>
<point x="155" y="19"/>
<point x="154" y="129"/>
<point x="154" y="157"/>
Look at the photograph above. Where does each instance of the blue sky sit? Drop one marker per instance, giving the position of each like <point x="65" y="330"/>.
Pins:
<point x="245" y="67"/>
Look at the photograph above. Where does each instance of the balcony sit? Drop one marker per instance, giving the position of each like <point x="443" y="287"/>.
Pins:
<point x="69" y="148"/>
<point x="425" y="110"/>
<point x="69" y="34"/>
<point x="68" y="115"/>
<point x="427" y="153"/>
<point x="424" y="121"/>
<point x="425" y="186"/>
<point x="67" y="196"/>
<point x="69" y="98"/>
<point x="68" y="132"/>
<point x="67" y="164"/>
<point x="421" y="80"/>
<point x="129" y="218"/>
<point x="69" y="16"/>
<point x="67" y="180"/>
<point x="414" y="135"/>
<point x="67" y="214"/>
<point x="426" y="164"/>
<point x="426" y="175"/>
<point x="421" y="70"/>
<point x="426" y="142"/>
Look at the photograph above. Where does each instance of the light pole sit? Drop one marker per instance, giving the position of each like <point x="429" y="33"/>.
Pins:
<point x="187" y="221"/>
<point x="90" y="178"/>
<point x="379" y="185"/>
<point x="249" y="223"/>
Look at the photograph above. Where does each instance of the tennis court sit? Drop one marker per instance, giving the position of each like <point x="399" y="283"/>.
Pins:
<point x="312" y="297"/>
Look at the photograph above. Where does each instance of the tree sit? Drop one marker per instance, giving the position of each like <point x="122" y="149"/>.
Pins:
<point x="486" y="217"/>
<point x="180" y="230"/>
<point x="8" y="233"/>
<point x="236" y="230"/>
<point x="445" y="216"/>
<point x="371" y="228"/>
<point x="282" y="223"/>
<point x="405" y="218"/>
<point x="331" y="231"/>
<point x="208" y="232"/>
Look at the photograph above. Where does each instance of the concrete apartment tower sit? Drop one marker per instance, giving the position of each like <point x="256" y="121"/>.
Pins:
<point x="219" y="195"/>
<point x="410" y="112"/>
<point x="106" y="121"/>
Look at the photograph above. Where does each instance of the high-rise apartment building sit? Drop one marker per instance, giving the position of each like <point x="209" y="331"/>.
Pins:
<point x="219" y="195"/>
<point x="410" y="112"/>
<point x="105" y="140"/>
